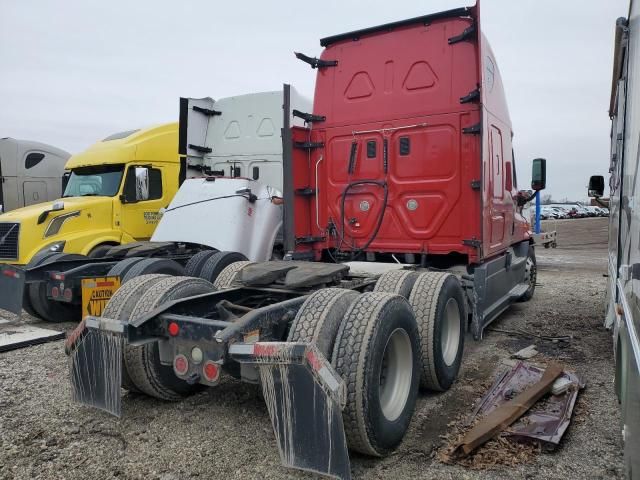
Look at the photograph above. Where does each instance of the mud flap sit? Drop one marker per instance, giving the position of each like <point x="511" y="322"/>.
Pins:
<point x="12" y="284"/>
<point x="95" y="363"/>
<point x="305" y="397"/>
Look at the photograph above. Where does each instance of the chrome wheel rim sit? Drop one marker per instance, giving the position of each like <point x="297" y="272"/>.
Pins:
<point x="450" y="337"/>
<point x="396" y="374"/>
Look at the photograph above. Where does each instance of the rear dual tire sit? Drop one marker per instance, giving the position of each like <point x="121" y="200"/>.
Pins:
<point x="216" y="263"/>
<point x="45" y="308"/>
<point x="142" y="363"/>
<point x="372" y="341"/>
<point x="377" y="352"/>
<point x="438" y="303"/>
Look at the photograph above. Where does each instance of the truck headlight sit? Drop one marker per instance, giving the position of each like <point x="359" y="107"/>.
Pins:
<point x="55" y="247"/>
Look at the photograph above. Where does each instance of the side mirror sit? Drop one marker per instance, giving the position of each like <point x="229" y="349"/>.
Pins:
<point x="596" y="186"/>
<point x="142" y="184"/>
<point x="539" y="174"/>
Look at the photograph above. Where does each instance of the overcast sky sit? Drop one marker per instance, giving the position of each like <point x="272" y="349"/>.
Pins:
<point x="75" y="71"/>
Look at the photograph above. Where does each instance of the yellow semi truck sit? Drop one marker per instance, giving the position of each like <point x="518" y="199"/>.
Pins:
<point x="113" y="196"/>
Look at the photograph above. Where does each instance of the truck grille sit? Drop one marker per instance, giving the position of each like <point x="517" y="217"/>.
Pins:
<point x="9" y="233"/>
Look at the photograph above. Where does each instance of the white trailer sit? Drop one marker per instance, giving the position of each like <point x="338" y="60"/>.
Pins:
<point x="623" y="293"/>
<point x="30" y="172"/>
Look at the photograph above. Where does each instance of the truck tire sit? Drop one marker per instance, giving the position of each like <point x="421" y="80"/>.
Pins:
<point x="218" y="262"/>
<point x="227" y="276"/>
<point x="36" y="260"/>
<point x="121" y="268"/>
<point x="52" y="310"/>
<point x="399" y="282"/>
<point x="319" y="318"/>
<point x="195" y="263"/>
<point x="143" y="362"/>
<point x="530" y="276"/>
<point x="149" y="266"/>
<point x="377" y="353"/>
<point x="438" y="303"/>
<point x="122" y="304"/>
<point x="100" y="251"/>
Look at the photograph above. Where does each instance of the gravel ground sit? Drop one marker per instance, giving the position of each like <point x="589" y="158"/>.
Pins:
<point x="225" y="432"/>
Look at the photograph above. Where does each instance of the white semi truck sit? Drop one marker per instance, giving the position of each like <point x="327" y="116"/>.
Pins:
<point x="30" y="172"/>
<point x="208" y="225"/>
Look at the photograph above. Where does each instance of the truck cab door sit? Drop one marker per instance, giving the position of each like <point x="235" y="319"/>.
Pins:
<point x="142" y="198"/>
<point x="496" y="194"/>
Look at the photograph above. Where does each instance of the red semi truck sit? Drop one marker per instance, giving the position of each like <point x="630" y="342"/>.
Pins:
<point x="402" y="227"/>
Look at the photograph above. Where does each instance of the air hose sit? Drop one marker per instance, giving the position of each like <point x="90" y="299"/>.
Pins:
<point x="376" y="230"/>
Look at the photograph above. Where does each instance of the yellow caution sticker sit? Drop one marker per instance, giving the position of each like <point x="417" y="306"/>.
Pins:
<point x="96" y="293"/>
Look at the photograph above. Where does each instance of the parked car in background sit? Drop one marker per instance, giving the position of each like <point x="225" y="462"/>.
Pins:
<point x="560" y="212"/>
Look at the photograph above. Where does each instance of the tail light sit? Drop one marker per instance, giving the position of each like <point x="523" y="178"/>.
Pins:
<point x="55" y="292"/>
<point x="174" y="329"/>
<point x="180" y="365"/>
<point x="210" y="371"/>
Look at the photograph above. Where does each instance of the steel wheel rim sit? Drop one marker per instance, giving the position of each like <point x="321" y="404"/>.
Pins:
<point x="530" y="272"/>
<point x="450" y="337"/>
<point x="396" y="374"/>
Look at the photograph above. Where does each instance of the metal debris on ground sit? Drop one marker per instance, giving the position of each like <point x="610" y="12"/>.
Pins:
<point x="519" y="332"/>
<point x="541" y="426"/>
<point x="508" y="407"/>
<point x="13" y="336"/>
<point x="549" y="418"/>
<point x="526" y="353"/>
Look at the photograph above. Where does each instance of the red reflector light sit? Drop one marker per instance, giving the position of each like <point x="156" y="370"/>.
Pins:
<point x="174" y="329"/>
<point x="55" y="292"/>
<point x="68" y="294"/>
<point x="210" y="371"/>
<point x="11" y="273"/>
<point x="180" y="365"/>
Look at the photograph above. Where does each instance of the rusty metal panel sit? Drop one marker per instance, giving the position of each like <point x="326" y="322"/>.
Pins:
<point x="548" y="419"/>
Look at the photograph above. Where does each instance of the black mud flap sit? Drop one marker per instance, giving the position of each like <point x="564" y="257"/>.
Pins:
<point x="12" y="283"/>
<point x="305" y="397"/>
<point x="95" y="362"/>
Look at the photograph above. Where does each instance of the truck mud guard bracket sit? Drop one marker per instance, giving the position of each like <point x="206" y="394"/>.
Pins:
<point x="308" y="145"/>
<point x="206" y="111"/>
<point x="473" y="129"/>
<point x="308" y="117"/>
<point x="308" y="240"/>
<point x="315" y="62"/>
<point x="304" y="395"/>
<point x="200" y="149"/>
<point x="472" y="96"/>
<point x="467" y="34"/>
<point x="305" y="192"/>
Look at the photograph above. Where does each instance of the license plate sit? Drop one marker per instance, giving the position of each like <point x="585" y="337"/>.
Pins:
<point x="96" y="293"/>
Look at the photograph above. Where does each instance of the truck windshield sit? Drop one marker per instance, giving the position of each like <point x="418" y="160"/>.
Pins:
<point x="102" y="181"/>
